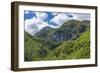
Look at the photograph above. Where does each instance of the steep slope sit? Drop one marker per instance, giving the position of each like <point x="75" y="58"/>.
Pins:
<point x="78" y="49"/>
<point x="44" y="36"/>
<point x="33" y="49"/>
<point x="69" y="30"/>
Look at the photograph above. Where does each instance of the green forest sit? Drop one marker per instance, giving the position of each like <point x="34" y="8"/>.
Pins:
<point x="70" y="41"/>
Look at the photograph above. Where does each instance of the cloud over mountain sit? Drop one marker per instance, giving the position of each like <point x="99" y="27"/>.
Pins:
<point x="39" y="20"/>
<point x="59" y="19"/>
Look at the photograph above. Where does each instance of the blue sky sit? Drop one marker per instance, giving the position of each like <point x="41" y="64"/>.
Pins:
<point x="37" y="20"/>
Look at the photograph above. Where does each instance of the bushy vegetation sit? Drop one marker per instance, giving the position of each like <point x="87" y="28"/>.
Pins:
<point x="70" y="41"/>
<point x="77" y="49"/>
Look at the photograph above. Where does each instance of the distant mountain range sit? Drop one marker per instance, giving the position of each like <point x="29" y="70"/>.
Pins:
<point x="67" y="31"/>
<point x="53" y="44"/>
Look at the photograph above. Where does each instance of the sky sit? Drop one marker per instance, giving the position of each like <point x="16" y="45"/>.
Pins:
<point x="37" y="20"/>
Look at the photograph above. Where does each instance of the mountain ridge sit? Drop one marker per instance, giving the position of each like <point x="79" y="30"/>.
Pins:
<point x="56" y="44"/>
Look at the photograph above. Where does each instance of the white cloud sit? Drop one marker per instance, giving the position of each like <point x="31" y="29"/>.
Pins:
<point x="55" y="13"/>
<point x="41" y="15"/>
<point x="52" y="26"/>
<point x="26" y="12"/>
<point x="33" y="21"/>
<point x="75" y="16"/>
<point x="34" y="24"/>
<point x="30" y="21"/>
<point x="38" y="22"/>
<point x="83" y="17"/>
<point x="30" y="26"/>
<point x="32" y="29"/>
<point x="80" y="16"/>
<point x="42" y="25"/>
<point x="59" y="19"/>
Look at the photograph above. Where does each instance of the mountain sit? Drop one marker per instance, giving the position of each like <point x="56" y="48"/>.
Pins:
<point x="78" y="49"/>
<point x="70" y="41"/>
<point x="86" y="21"/>
<point x="69" y="30"/>
<point x="45" y="33"/>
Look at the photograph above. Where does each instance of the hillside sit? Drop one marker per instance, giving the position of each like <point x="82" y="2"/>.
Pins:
<point x="33" y="49"/>
<point x="78" y="49"/>
<point x="70" y="41"/>
<point x="67" y="31"/>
